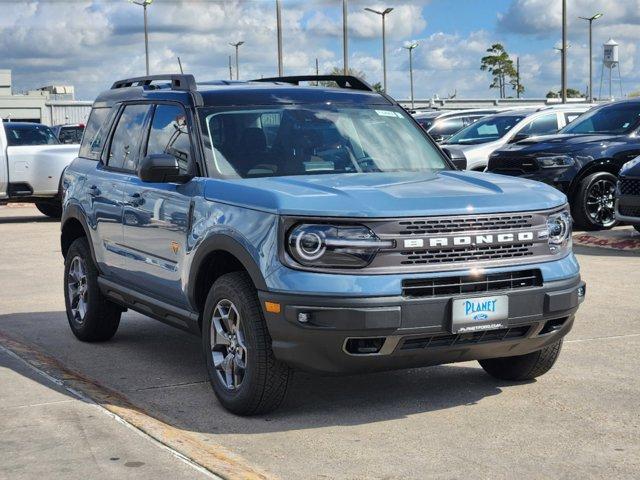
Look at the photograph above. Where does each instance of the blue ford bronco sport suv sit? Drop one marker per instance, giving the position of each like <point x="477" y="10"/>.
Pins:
<point x="307" y="227"/>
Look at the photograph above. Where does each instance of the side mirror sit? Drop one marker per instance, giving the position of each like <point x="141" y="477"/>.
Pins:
<point x="519" y="136"/>
<point x="161" y="168"/>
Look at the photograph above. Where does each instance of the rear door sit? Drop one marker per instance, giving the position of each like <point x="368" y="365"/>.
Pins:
<point x="106" y="187"/>
<point x="157" y="215"/>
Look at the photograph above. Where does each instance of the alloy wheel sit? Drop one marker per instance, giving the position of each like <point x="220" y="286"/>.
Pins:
<point x="77" y="289"/>
<point x="600" y="202"/>
<point x="228" y="349"/>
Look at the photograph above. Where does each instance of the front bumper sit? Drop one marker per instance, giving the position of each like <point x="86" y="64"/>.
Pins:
<point x="412" y="331"/>
<point x="628" y="209"/>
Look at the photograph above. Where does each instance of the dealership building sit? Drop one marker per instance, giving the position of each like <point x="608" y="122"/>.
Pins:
<point x="51" y="105"/>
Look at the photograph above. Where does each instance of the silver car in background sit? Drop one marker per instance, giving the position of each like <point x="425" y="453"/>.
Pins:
<point x="477" y="141"/>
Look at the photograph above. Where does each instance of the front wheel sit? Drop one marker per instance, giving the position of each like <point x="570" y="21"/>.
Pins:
<point x="244" y="374"/>
<point x="593" y="206"/>
<point x="523" y="367"/>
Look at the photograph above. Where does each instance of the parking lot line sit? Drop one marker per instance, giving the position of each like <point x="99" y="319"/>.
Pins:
<point x="185" y="445"/>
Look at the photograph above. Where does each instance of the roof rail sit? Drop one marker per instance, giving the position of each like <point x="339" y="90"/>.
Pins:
<point x="185" y="83"/>
<point x="343" y="81"/>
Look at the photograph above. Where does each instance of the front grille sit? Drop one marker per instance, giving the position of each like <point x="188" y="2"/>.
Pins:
<point x="466" y="254"/>
<point x="629" y="186"/>
<point x="629" y="210"/>
<point x="485" y="336"/>
<point x="513" y="166"/>
<point x="464" y="224"/>
<point x="456" y="285"/>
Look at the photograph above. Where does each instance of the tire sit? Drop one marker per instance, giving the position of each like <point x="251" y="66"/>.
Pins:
<point x="52" y="208"/>
<point x="595" y="193"/>
<point x="98" y="321"/>
<point x="523" y="367"/>
<point x="261" y="385"/>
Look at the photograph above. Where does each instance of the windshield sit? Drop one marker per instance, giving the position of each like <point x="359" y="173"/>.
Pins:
<point x="486" y="130"/>
<point x="274" y="141"/>
<point x="615" y="119"/>
<point x="19" y="135"/>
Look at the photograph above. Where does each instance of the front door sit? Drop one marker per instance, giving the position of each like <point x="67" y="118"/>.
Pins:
<point x="156" y="216"/>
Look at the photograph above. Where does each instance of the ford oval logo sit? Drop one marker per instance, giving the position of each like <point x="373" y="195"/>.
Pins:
<point x="481" y="316"/>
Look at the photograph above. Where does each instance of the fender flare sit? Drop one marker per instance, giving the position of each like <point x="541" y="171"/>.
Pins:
<point x="75" y="212"/>
<point x="225" y="243"/>
<point x="604" y="164"/>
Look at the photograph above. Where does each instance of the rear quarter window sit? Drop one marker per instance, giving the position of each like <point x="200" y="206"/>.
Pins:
<point x="95" y="133"/>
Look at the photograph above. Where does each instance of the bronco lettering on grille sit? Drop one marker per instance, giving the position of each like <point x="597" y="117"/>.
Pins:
<point x="461" y="240"/>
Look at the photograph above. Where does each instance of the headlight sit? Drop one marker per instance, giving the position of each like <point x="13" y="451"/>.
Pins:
<point x="334" y="246"/>
<point x="559" y="230"/>
<point x="556" y="161"/>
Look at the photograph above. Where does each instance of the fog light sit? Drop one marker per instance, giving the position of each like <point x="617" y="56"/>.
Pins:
<point x="582" y="291"/>
<point x="304" y="317"/>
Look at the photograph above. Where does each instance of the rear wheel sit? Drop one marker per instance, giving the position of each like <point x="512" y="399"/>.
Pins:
<point x="523" y="367"/>
<point x="593" y="206"/>
<point x="244" y="374"/>
<point x="50" y="208"/>
<point x="91" y="316"/>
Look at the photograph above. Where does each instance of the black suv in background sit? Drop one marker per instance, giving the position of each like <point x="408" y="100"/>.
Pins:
<point x="582" y="160"/>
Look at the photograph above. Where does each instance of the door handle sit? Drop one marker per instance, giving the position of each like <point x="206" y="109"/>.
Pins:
<point x="135" y="199"/>
<point x="94" y="191"/>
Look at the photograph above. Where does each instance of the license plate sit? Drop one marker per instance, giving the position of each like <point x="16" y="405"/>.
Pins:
<point x="479" y="313"/>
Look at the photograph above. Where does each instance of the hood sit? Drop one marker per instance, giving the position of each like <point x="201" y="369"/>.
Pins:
<point x="563" y="143"/>
<point x="631" y="168"/>
<point x="390" y="195"/>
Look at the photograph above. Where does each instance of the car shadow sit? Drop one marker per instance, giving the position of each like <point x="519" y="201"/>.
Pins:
<point x="160" y="371"/>
<point x="28" y="219"/>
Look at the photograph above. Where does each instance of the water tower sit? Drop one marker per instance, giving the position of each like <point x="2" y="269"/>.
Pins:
<point x="610" y="60"/>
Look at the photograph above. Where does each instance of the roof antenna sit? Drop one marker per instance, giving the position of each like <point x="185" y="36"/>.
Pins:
<point x="180" y="65"/>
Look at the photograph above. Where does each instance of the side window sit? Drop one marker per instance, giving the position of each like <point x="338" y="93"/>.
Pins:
<point x="543" y="125"/>
<point x="570" y="117"/>
<point x="125" y="145"/>
<point x="169" y="135"/>
<point x="447" y="127"/>
<point x="95" y="133"/>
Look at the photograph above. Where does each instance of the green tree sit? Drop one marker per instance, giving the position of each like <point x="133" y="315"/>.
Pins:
<point x="500" y="66"/>
<point x="571" y="93"/>
<point x="377" y="87"/>
<point x="340" y="71"/>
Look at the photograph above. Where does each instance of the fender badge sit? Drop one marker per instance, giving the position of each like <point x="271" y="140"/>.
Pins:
<point x="175" y="246"/>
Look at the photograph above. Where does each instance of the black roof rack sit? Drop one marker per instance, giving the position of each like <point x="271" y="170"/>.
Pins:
<point x="186" y="83"/>
<point x="343" y="81"/>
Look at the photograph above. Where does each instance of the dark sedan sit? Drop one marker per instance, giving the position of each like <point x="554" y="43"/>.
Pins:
<point x="582" y="160"/>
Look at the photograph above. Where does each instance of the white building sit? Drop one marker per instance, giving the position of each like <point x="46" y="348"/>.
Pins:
<point x="51" y="105"/>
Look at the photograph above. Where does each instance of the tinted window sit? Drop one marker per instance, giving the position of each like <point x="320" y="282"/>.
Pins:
<point x="447" y="127"/>
<point x="486" y="130"/>
<point x="34" y="134"/>
<point x="126" y="139"/>
<point x="570" y="117"/>
<point x="315" y="139"/>
<point x="95" y="133"/>
<point x="169" y="135"/>
<point x="70" y="134"/>
<point x="615" y="119"/>
<point x="542" y="125"/>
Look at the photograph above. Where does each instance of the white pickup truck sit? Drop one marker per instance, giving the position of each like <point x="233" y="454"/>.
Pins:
<point x="31" y="164"/>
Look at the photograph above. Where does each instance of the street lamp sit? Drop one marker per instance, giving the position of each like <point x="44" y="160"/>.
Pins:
<point x="410" y="47"/>
<point x="144" y="4"/>
<point x="563" y="75"/>
<point x="237" y="44"/>
<point x="383" y="14"/>
<point x="590" y="20"/>
<point x="345" y="37"/>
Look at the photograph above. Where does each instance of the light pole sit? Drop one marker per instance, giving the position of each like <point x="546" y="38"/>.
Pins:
<point x="383" y="14"/>
<point x="410" y="47"/>
<point x="144" y="4"/>
<point x="237" y="45"/>
<point x="279" y="28"/>
<point x="345" y="37"/>
<point x="590" y="20"/>
<point x="563" y="88"/>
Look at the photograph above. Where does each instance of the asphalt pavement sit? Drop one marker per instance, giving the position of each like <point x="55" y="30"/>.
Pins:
<point x="581" y="420"/>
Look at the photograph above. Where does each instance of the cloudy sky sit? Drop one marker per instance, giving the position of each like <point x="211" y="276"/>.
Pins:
<point x="91" y="43"/>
